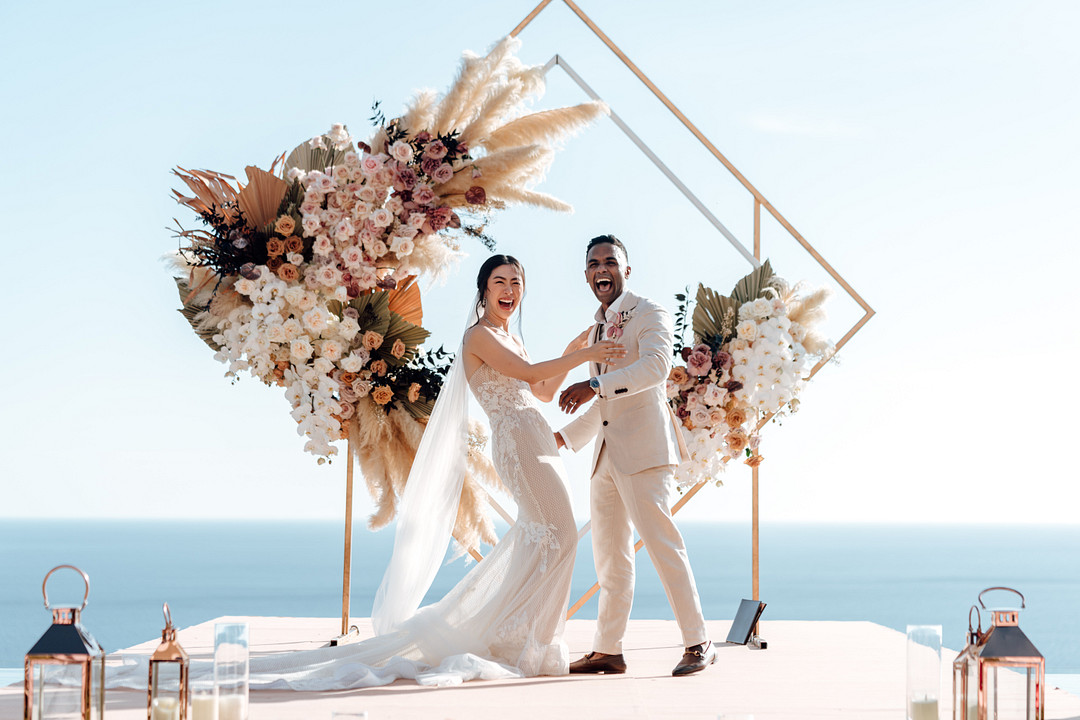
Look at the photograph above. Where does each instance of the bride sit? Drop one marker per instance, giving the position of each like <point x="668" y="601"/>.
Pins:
<point x="505" y="618"/>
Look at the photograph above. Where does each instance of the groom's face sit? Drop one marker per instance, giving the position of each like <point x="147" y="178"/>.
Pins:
<point x="606" y="272"/>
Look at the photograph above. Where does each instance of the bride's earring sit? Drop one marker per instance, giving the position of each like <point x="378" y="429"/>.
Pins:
<point x="483" y="302"/>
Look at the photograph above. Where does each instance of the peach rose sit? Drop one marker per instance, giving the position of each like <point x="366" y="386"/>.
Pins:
<point x="736" y="417"/>
<point x="288" y="272"/>
<point x="275" y="264"/>
<point x="754" y="460"/>
<point x="398" y="348"/>
<point x="275" y="247"/>
<point x="294" y="244"/>
<point x="285" y="225"/>
<point x="736" y="441"/>
<point x="414" y="392"/>
<point x="678" y="375"/>
<point x="347" y="378"/>
<point x="372" y="340"/>
<point x="382" y="394"/>
<point x="379" y="367"/>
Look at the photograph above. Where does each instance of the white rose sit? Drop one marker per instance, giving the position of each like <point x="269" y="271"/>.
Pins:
<point x="402" y="247"/>
<point x="714" y="395"/>
<point x="317" y="319"/>
<point x="331" y="349"/>
<point x="417" y="220"/>
<point x="747" y="330"/>
<point x="293" y="295"/>
<point x="292" y="328"/>
<point x="322" y="367"/>
<point x="348" y="328"/>
<point x="401" y="151"/>
<point x="307" y="301"/>
<point x="762" y="308"/>
<point x="352" y="256"/>
<point x="323" y="246"/>
<point x="311" y="224"/>
<point x="341" y="294"/>
<point x="295" y="258"/>
<point x="295" y="174"/>
<point x="276" y="334"/>
<point x="244" y="286"/>
<point x="301" y="349"/>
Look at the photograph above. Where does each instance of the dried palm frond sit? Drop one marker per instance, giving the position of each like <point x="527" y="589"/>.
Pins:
<point x="213" y="192"/>
<point x="713" y="314"/>
<point x="753" y="285"/>
<point x="261" y="198"/>
<point x="545" y="126"/>
<point x="405" y="301"/>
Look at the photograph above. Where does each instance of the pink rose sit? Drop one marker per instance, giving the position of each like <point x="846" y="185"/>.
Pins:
<point x="370" y="165"/>
<point x="444" y="174"/>
<point x="405" y="179"/>
<point x="430" y="165"/>
<point x="424" y="195"/>
<point x="614" y="332"/>
<point x="436" y="150"/>
<point x="439" y="218"/>
<point x="699" y="363"/>
<point x="723" y="360"/>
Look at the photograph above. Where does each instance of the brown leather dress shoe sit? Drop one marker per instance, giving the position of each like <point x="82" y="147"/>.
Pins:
<point x="695" y="659"/>
<point x="599" y="664"/>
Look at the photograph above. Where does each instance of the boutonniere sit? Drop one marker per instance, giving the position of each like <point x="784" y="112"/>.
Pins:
<point x="615" y="329"/>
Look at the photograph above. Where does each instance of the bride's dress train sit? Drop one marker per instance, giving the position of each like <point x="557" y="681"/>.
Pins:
<point x="504" y="619"/>
<point x="506" y="616"/>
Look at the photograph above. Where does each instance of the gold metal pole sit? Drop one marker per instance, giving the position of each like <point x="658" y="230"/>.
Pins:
<point x="529" y="19"/>
<point x="754" y="532"/>
<point x="346" y="578"/>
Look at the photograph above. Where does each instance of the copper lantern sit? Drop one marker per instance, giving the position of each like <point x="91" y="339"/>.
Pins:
<point x="999" y="675"/>
<point x="167" y="687"/>
<point x="65" y="670"/>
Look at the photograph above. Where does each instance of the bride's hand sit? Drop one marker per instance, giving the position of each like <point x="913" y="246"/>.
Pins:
<point x="604" y="352"/>
<point x="578" y="343"/>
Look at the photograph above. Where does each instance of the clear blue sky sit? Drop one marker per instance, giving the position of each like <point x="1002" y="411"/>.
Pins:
<point x="928" y="150"/>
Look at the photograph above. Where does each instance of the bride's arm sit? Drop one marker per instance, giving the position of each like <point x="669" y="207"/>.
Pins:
<point x="545" y="389"/>
<point x="486" y="346"/>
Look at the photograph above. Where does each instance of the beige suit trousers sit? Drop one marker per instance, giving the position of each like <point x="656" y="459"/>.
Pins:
<point x="641" y="499"/>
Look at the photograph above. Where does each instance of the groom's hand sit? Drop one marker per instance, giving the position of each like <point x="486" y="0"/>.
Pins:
<point x="575" y="396"/>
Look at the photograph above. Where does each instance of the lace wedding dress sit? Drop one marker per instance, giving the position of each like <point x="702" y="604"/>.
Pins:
<point x="505" y="618"/>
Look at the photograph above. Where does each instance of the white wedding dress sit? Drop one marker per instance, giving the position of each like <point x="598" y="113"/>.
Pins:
<point x="505" y="618"/>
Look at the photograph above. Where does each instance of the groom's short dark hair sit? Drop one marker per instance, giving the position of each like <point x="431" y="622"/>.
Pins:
<point x="611" y="240"/>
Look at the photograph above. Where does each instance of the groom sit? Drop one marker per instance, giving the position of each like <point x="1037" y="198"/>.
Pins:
<point x="637" y="448"/>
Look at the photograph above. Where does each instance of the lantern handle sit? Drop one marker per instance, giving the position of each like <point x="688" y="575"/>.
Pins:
<point x="168" y="615"/>
<point x="975" y="609"/>
<point x="999" y="587"/>
<point x="86" y="581"/>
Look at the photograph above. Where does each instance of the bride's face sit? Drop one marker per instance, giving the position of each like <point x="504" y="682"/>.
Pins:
<point x="505" y="287"/>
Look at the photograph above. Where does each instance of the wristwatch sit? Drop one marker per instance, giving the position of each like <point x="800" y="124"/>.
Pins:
<point x="594" y="383"/>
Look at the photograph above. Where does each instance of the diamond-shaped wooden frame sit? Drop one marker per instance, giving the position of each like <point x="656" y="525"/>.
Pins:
<point x="753" y="258"/>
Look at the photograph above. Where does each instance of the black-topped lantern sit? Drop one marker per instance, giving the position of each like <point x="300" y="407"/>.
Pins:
<point x="65" y="670"/>
<point x="1003" y="675"/>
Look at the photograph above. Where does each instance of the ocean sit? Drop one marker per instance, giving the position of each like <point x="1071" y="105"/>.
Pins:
<point x="893" y="575"/>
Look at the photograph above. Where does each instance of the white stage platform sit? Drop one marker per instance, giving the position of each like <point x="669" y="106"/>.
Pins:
<point x="810" y="670"/>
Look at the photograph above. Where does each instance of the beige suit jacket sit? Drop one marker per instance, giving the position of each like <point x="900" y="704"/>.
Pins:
<point x="631" y="415"/>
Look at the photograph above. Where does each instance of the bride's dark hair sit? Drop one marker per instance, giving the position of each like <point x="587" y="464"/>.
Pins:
<point x="496" y="261"/>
